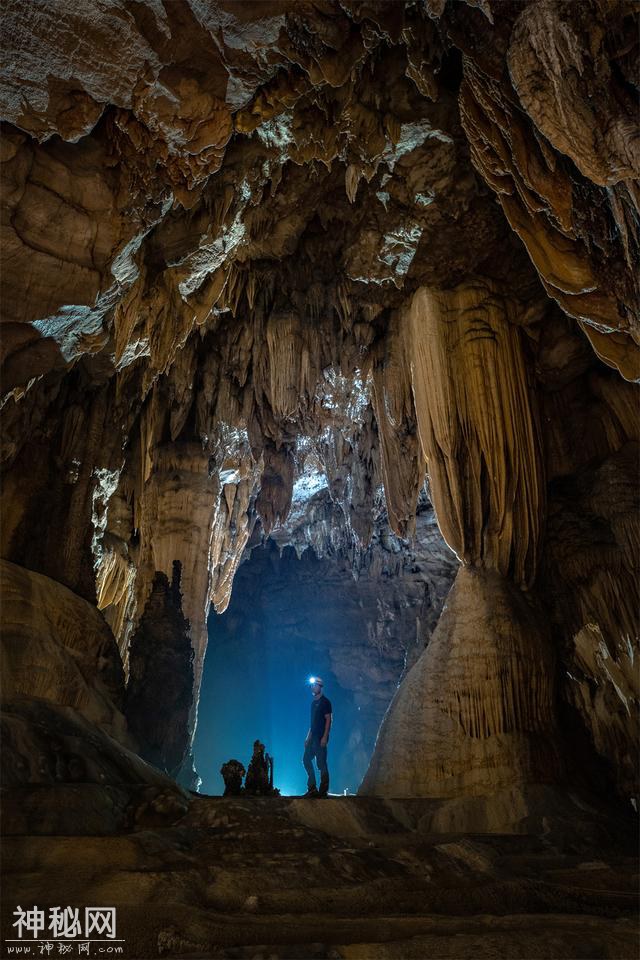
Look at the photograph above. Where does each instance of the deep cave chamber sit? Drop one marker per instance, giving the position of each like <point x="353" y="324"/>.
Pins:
<point x="389" y="241"/>
<point x="302" y="603"/>
<point x="261" y="652"/>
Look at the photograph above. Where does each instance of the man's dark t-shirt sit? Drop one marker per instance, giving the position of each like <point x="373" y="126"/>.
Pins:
<point x="319" y="709"/>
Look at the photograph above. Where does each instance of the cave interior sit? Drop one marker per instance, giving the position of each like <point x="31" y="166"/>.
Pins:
<point x="320" y="351"/>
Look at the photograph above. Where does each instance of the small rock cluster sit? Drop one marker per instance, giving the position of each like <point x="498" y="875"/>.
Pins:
<point x="259" y="776"/>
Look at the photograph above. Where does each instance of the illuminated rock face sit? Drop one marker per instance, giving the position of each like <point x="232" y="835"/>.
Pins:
<point x="57" y="647"/>
<point x="475" y="715"/>
<point x="70" y="761"/>
<point x="251" y="244"/>
<point x="477" y="427"/>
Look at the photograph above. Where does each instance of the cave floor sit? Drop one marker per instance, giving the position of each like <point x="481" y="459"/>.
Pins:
<point x="337" y="878"/>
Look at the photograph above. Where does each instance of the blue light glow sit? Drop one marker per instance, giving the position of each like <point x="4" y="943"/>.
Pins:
<point x="255" y="684"/>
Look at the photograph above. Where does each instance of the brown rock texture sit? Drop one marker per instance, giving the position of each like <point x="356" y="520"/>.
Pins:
<point x="69" y="761"/>
<point x="475" y="714"/>
<point x="591" y="581"/>
<point x="246" y="245"/>
<point x="57" y="647"/>
<point x="478" y="433"/>
<point x="384" y="885"/>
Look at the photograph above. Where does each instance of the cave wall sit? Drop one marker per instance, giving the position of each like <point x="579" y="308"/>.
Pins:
<point x="70" y="762"/>
<point x="250" y="242"/>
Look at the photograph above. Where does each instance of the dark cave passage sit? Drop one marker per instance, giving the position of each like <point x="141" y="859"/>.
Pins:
<point x="290" y="618"/>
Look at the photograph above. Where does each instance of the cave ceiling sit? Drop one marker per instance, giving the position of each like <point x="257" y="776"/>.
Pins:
<point x="249" y="244"/>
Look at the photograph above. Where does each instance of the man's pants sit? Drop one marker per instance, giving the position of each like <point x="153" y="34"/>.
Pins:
<point x="313" y="749"/>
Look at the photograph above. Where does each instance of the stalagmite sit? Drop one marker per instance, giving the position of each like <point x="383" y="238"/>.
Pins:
<point x="475" y="715"/>
<point x="160" y="693"/>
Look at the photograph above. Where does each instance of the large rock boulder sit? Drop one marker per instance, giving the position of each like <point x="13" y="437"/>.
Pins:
<point x="57" y="647"/>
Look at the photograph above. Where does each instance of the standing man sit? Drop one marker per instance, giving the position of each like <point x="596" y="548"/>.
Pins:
<point x="317" y="739"/>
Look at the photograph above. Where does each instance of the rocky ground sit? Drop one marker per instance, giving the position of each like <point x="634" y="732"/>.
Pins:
<point x="339" y="878"/>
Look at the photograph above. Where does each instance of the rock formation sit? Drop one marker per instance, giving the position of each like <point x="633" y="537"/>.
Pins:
<point x="158" y="701"/>
<point x="57" y="647"/>
<point x="479" y="702"/>
<point x="70" y="764"/>
<point x="246" y="245"/>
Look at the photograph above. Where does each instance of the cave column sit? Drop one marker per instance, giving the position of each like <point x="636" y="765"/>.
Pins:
<point x="194" y="525"/>
<point x="475" y="713"/>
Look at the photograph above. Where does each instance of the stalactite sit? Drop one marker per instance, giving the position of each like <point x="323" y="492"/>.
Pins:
<point x="477" y="428"/>
<point x="352" y="179"/>
<point x="287" y="383"/>
<point x="400" y="456"/>
<point x="534" y="185"/>
<point x="276" y="486"/>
